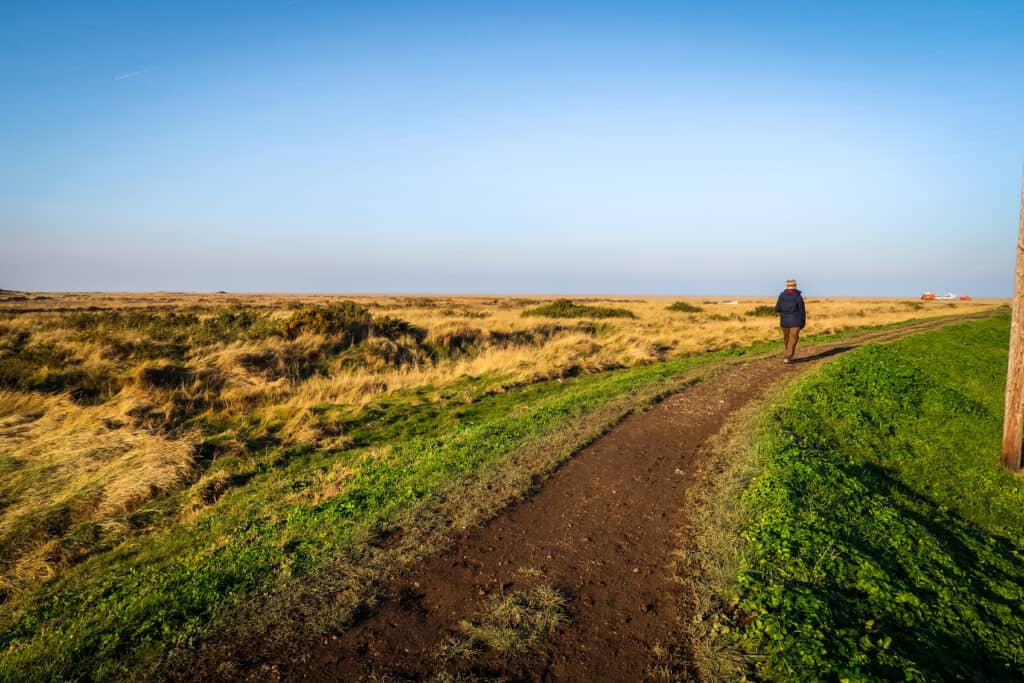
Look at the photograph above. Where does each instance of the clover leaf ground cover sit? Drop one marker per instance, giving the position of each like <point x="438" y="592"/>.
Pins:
<point x="884" y="540"/>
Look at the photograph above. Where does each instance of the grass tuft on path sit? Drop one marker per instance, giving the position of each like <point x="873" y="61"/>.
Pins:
<point x="884" y="540"/>
<point x="512" y="623"/>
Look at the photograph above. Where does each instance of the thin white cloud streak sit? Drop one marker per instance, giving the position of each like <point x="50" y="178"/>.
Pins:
<point x="131" y="74"/>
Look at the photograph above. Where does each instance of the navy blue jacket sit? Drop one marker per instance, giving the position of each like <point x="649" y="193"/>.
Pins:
<point x="790" y="307"/>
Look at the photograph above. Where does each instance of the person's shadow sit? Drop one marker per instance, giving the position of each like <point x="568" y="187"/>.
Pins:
<point x="827" y="353"/>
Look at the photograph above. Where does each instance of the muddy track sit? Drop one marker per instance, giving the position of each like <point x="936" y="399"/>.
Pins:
<point x="601" y="531"/>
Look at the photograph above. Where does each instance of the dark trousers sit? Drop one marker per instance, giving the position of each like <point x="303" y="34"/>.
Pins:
<point x="791" y="335"/>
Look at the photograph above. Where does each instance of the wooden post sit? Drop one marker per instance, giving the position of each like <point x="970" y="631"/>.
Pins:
<point x="1013" y="419"/>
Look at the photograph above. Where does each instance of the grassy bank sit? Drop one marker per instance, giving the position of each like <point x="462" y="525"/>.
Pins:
<point x="883" y="540"/>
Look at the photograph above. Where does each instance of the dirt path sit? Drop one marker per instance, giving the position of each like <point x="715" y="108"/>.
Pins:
<point x="601" y="531"/>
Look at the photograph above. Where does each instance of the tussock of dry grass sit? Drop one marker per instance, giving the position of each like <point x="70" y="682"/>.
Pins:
<point x="510" y="623"/>
<point x="68" y="467"/>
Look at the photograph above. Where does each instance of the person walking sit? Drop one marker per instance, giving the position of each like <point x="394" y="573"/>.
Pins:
<point x="792" y="317"/>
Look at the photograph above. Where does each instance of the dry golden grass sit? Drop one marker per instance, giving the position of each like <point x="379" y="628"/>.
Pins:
<point x="510" y="623"/>
<point x="68" y="467"/>
<point x="108" y="417"/>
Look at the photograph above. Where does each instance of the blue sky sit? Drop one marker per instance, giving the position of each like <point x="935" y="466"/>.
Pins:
<point x="718" y="148"/>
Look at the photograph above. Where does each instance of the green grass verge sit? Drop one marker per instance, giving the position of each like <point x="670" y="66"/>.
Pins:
<point x="884" y="540"/>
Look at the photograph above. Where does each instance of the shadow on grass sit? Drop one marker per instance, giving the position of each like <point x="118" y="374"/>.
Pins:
<point x="953" y="602"/>
<point x="827" y="353"/>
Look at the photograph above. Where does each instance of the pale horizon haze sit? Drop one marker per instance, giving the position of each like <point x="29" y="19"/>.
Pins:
<point x="867" y="149"/>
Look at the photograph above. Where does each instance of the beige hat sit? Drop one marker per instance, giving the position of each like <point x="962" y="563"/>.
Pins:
<point x="790" y="283"/>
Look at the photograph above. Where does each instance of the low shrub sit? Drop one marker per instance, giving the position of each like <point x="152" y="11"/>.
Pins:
<point x="171" y="327"/>
<point x="762" y="311"/>
<point x="464" y="313"/>
<point x="47" y="368"/>
<point x="394" y="328"/>
<point x="565" y="308"/>
<point x="348" y="320"/>
<point x="344" y="318"/>
<point x="684" y="307"/>
<point x="457" y="341"/>
<point x="238" y="324"/>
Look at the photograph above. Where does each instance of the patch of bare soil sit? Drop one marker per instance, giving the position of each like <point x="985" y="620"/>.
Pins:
<point x="600" y="532"/>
